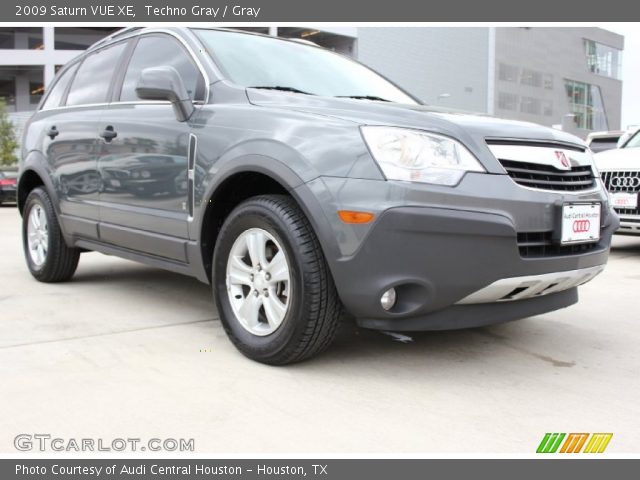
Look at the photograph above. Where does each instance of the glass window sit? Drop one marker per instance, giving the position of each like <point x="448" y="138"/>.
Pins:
<point x="603" y="144"/>
<point x="21" y="86"/>
<point x="262" y="30"/>
<point x="258" y="61"/>
<point x="634" y="142"/>
<point x="155" y="51"/>
<point x="507" y="101"/>
<point x="79" y="38"/>
<point x="530" y="105"/>
<point x="60" y="85"/>
<point x="335" y="42"/>
<point x="21" y="38"/>
<point x="585" y="102"/>
<point x="36" y="90"/>
<point x="547" y="108"/>
<point x="531" y="77"/>
<point x="8" y="89"/>
<point x="91" y="83"/>
<point x="603" y="60"/>
<point x="548" y="81"/>
<point x="508" y="73"/>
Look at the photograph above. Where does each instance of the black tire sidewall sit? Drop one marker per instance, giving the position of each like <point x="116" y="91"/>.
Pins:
<point x="35" y="198"/>
<point x="263" y="348"/>
<point x="61" y="261"/>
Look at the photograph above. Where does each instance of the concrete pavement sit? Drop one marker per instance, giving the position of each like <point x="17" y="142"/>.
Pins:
<point x="125" y="350"/>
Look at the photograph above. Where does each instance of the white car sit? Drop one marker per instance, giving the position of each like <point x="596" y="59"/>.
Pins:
<point x="620" y="173"/>
<point x="603" y="141"/>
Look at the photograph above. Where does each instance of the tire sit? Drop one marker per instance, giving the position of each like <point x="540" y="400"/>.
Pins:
<point x="313" y="308"/>
<point x="58" y="262"/>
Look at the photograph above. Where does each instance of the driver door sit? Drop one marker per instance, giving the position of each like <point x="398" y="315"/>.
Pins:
<point x="142" y="157"/>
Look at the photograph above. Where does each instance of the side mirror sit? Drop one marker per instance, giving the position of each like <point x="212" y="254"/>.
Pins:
<point x="164" y="83"/>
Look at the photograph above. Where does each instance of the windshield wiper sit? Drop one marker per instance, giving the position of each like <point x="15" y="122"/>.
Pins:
<point x="282" y="89"/>
<point x="364" y="97"/>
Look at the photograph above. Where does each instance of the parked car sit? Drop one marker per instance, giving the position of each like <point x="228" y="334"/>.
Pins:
<point x="620" y="170"/>
<point x="601" y="141"/>
<point x="315" y="188"/>
<point x="627" y="135"/>
<point x="8" y="180"/>
<point x="145" y="175"/>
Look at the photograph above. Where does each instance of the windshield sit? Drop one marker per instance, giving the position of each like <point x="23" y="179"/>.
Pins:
<point x="634" y="142"/>
<point x="257" y="61"/>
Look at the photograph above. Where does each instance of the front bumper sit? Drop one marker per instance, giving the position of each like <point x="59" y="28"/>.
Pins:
<point x="442" y="260"/>
<point x="437" y="258"/>
<point x="629" y="224"/>
<point x="476" y="315"/>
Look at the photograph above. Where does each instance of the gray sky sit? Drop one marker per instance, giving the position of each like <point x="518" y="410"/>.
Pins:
<point x="630" y="72"/>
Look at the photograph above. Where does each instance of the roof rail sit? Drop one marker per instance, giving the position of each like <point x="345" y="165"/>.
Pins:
<point x="116" y="34"/>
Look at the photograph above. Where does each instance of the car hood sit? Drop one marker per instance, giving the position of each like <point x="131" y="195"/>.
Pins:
<point x="618" y="159"/>
<point x="465" y="126"/>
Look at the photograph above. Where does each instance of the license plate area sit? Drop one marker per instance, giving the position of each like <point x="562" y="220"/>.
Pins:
<point x="624" y="200"/>
<point x="580" y="223"/>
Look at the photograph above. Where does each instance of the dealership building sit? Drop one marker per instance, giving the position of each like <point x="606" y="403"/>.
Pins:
<point x="554" y="76"/>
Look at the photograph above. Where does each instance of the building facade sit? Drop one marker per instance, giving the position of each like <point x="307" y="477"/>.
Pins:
<point x="569" y="76"/>
<point x="554" y="76"/>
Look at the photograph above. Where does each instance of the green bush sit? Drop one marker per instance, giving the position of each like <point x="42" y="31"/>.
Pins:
<point x="8" y="142"/>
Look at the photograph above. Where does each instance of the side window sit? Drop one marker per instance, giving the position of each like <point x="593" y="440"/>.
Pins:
<point x="59" y="87"/>
<point x="156" y="51"/>
<point x="94" y="76"/>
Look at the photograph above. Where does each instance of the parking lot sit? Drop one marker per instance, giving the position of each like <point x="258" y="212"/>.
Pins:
<point x="125" y="350"/>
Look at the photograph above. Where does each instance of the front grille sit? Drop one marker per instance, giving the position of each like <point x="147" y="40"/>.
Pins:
<point x="623" y="181"/>
<point x="547" y="177"/>
<point x="627" y="211"/>
<point x="541" y="244"/>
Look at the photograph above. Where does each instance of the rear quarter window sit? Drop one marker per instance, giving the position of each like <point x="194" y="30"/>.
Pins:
<point x="56" y="95"/>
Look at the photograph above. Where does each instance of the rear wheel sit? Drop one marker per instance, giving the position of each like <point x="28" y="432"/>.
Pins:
<point x="275" y="295"/>
<point x="48" y="257"/>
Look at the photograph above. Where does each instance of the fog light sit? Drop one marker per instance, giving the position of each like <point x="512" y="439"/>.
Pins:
<point x="388" y="299"/>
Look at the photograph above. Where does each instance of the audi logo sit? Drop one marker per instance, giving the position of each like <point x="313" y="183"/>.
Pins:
<point x="581" y="226"/>
<point x="626" y="182"/>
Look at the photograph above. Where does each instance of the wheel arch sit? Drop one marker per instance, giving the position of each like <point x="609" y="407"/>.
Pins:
<point x="248" y="177"/>
<point x="34" y="174"/>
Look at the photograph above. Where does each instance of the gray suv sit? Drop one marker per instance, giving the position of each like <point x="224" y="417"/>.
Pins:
<point x="304" y="187"/>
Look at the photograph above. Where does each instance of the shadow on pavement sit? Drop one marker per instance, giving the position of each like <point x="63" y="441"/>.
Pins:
<point x="535" y="338"/>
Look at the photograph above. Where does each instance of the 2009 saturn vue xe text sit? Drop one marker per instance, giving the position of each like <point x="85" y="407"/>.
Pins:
<point x="302" y="185"/>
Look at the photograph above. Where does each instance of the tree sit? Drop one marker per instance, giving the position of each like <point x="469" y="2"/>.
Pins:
<point x="8" y="142"/>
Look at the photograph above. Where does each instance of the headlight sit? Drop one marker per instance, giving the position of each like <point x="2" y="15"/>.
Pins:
<point x="416" y="156"/>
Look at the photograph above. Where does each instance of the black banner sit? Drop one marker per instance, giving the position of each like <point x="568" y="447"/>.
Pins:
<point x="218" y="11"/>
<point x="114" y="469"/>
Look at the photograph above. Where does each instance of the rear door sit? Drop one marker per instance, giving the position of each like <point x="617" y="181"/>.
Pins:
<point x="143" y="168"/>
<point x="70" y="121"/>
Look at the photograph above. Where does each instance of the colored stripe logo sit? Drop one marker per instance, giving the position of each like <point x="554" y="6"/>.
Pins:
<point x="574" y="443"/>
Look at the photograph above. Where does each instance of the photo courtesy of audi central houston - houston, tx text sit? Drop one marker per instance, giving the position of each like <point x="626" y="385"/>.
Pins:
<point x="318" y="239"/>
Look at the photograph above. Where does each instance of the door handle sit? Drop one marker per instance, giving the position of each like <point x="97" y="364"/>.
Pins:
<point x="109" y="133"/>
<point x="53" y="132"/>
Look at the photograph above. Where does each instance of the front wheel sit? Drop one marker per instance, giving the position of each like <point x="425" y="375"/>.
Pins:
<point x="48" y="257"/>
<point x="274" y="292"/>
